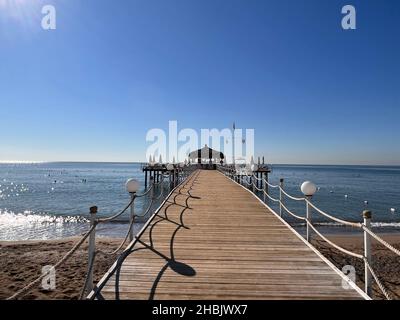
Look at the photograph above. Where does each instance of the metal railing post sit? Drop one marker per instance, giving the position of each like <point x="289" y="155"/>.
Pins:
<point x="264" y="191"/>
<point x="280" y="196"/>
<point x="309" y="219"/>
<point x="367" y="215"/>
<point x="152" y="183"/>
<point x="92" y="249"/>
<point x="162" y="185"/>
<point x="253" y="183"/>
<point x="132" y="216"/>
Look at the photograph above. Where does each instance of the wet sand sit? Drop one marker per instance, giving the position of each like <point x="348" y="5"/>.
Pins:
<point x="22" y="261"/>
<point x="385" y="263"/>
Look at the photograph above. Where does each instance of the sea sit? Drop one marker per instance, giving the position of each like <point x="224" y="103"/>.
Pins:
<point x="51" y="200"/>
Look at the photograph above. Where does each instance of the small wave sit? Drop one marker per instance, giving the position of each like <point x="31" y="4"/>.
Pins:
<point x="21" y="162"/>
<point x="339" y="225"/>
<point x="29" y="225"/>
<point x="10" y="218"/>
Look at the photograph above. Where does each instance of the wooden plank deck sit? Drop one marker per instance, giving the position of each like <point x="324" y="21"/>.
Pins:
<point x="214" y="240"/>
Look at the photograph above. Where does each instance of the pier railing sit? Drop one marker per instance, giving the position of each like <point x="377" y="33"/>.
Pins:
<point x="180" y="173"/>
<point x="251" y="181"/>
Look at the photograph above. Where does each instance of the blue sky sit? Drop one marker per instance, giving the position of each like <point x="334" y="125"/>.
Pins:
<point x="112" y="70"/>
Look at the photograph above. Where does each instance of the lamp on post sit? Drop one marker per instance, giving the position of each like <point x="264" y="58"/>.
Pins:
<point x="308" y="189"/>
<point x="254" y="168"/>
<point x="132" y="186"/>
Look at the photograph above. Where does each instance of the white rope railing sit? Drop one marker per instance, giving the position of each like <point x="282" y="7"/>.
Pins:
<point x="113" y="217"/>
<point x="270" y="197"/>
<point x="290" y="196"/>
<point x="350" y="253"/>
<point x="291" y="213"/>
<point x="91" y="233"/>
<point x="378" y="282"/>
<point x="362" y="226"/>
<point x="270" y="185"/>
<point x="379" y="239"/>
<point x="258" y="189"/>
<point x="247" y="181"/>
<point x="29" y="286"/>
<point x="344" y="222"/>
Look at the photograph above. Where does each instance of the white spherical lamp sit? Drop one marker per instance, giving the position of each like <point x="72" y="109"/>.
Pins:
<point x="308" y="188"/>
<point x="132" y="185"/>
<point x="170" y="167"/>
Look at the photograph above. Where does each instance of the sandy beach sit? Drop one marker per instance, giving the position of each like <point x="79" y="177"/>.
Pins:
<point x="22" y="261"/>
<point x="385" y="263"/>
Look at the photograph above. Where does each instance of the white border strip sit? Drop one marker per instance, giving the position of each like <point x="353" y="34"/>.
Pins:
<point x="330" y="264"/>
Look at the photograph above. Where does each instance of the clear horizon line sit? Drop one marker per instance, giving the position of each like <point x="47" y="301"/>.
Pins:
<point x="140" y="162"/>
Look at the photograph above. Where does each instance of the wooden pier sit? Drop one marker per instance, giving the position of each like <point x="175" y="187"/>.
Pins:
<point x="213" y="239"/>
<point x="155" y="172"/>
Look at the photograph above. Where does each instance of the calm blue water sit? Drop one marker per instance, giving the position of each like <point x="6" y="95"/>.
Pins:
<point x="379" y="185"/>
<point x="52" y="200"/>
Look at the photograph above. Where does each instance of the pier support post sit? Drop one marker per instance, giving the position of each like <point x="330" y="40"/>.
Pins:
<point x="175" y="182"/>
<point x="257" y="181"/>
<point x="145" y="179"/>
<point x="132" y="186"/>
<point x="308" y="189"/>
<point x="367" y="215"/>
<point x="280" y="196"/>
<point x="132" y="216"/>
<point x="264" y="191"/>
<point x="309" y="219"/>
<point x="266" y="182"/>
<point x="91" y="250"/>
<point x="152" y="186"/>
